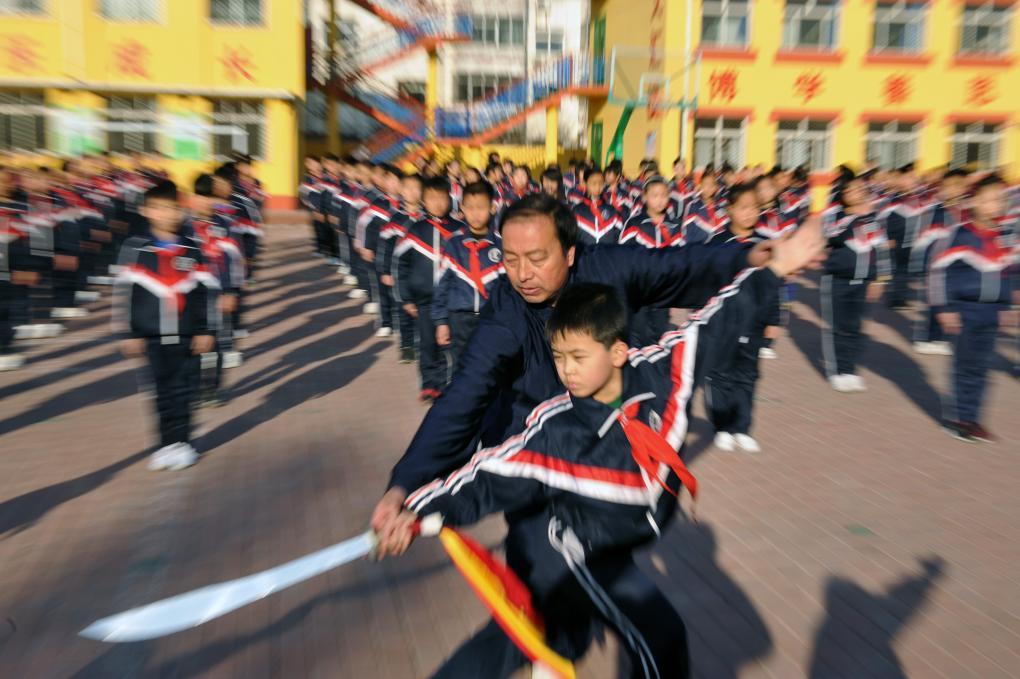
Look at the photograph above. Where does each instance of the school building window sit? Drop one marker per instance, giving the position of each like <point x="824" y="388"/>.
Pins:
<point x="22" y="6"/>
<point x="549" y="41"/>
<point x="724" y="22"/>
<point x="497" y="30"/>
<point x="131" y="124"/>
<point x="22" y="121"/>
<point x="899" y="27"/>
<point x="804" y="142"/>
<point x="976" y="144"/>
<point x="471" y="86"/>
<point x="718" y="141"/>
<point x="130" y="10"/>
<point x="891" y="144"/>
<point x="245" y="12"/>
<point x="248" y="119"/>
<point x="810" y="24"/>
<point x="985" y="29"/>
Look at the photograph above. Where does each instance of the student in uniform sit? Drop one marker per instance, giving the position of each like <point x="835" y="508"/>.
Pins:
<point x="419" y="266"/>
<point x="552" y="184"/>
<point x="310" y="197"/>
<point x="707" y="213"/>
<point x="371" y="221"/>
<point x="732" y="376"/>
<point x="472" y="263"/>
<point x="902" y="218"/>
<point x="653" y="227"/>
<point x="773" y="223"/>
<point x="162" y="311"/>
<point x="622" y="420"/>
<point x="617" y="191"/>
<point x="598" y="222"/>
<point x="973" y="288"/>
<point x="17" y="273"/>
<point x="855" y="273"/>
<point x="410" y="211"/>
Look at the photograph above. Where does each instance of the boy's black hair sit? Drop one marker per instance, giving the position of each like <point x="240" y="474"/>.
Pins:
<point x="227" y="171"/>
<point x="956" y="172"/>
<point x="616" y="167"/>
<point x="908" y="168"/>
<point x="390" y="169"/>
<point x="204" y="184"/>
<point x="593" y="171"/>
<point x="164" y="189"/>
<point x="330" y="156"/>
<point x="592" y="309"/>
<point x="739" y="189"/>
<point x="491" y="167"/>
<point x="990" y="179"/>
<point x="653" y="180"/>
<point x="800" y="174"/>
<point x="480" y="188"/>
<point x="441" y="184"/>
<point x="539" y="204"/>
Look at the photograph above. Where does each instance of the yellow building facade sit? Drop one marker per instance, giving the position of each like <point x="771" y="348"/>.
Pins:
<point x="815" y="82"/>
<point x="192" y="79"/>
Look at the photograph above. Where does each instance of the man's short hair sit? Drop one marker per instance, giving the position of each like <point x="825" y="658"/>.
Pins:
<point x="163" y="189"/>
<point x="592" y="309"/>
<point x="479" y="188"/>
<point x="541" y="205"/>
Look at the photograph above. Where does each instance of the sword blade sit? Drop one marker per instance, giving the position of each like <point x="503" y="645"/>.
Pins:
<point x="191" y="609"/>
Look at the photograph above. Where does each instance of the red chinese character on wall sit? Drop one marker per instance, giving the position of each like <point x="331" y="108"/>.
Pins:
<point x="896" y="88"/>
<point x="722" y="85"/>
<point x="808" y="86"/>
<point x="129" y="58"/>
<point x="22" y="54"/>
<point x="981" y="90"/>
<point x="237" y="64"/>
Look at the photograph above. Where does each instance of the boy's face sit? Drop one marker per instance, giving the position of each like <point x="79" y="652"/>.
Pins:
<point x="477" y="210"/>
<point x="312" y="167"/>
<point x="520" y="178"/>
<point x="708" y="186"/>
<point x="162" y="213"/>
<point x="585" y="366"/>
<point x="437" y="202"/>
<point x="953" y="187"/>
<point x="221" y="187"/>
<point x="612" y="177"/>
<point x="410" y="191"/>
<point x="989" y="204"/>
<point x="203" y="205"/>
<point x="550" y="187"/>
<point x="595" y="184"/>
<point x="657" y="198"/>
<point x="390" y="184"/>
<point x="744" y="211"/>
<point x="766" y="191"/>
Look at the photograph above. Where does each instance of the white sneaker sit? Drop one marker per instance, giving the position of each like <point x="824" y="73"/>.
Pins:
<point x="232" y="359"/>
<point x="11" y="362"/>
<point x="371" y="308"/>
<point x="114" y="269"/>
<point x="240" y="333"/>
<point x="927" y="348"/>
<point x="725" y="441"/>
<point x="86" y="296"/>
<point x="746" y="443"/>
<point x="350" y="279"/>
<point x="161" y="458"/>
<point x="842" y="383"/>
<point x="384" y="332"/>
<point x="182" y="458"/>
<point x="343" y="270"/>
<point x="24" y="332"/>
<point x="943" y="348"/>
<point x="69" y="312"/>
<point x="767" y="352"/>
<point x="357" y="293"/>
<point x="44" y="330"/>
<point x="856" y="383"/>
<point x="100" y="280"/>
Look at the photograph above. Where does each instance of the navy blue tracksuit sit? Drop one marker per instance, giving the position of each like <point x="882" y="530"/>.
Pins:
<point x="703" y="219"/>
<point x="903" y="217"/>
<point x="936" y="232"/>
<point x="598" y="222"/>
<point x="972" y="277"/>
<point x="370" y="224"/>
<point x="310" y="195"/>
<point x="15" y="256"/>
<point x="580" y="565"/>
<point x="857" y="255"/>
<point x="507" y="368"/>
<point x="647" y="325"/>
<point x="419" y="256"/>
<point x="471" y="266"/>
<point x="389" y="235"/>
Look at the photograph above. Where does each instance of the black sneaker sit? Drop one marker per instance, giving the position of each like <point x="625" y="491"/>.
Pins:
<point x="407" y="355"/>
<point x="960" y="431"/>
<point x="979" y="433"/>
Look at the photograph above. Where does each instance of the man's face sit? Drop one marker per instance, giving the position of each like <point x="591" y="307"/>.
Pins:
<point x="583" y="364"/>
<point x="657" y="198"/>
<point x="162" y="213"/>
<point x="535" y="262"/>
<point x="437" y="202"/>
<point x="595" y="184"/>
<point x="477" y="211"/>
<point x="410" y="191"/>
<point x="989" y="203"/>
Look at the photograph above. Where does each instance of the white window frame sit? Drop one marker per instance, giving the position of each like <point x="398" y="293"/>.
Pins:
<point x="899" y="12"/>
<point x="714" y="130"/>
<point x="257" y="140"/>
<point x="797" y="11"/>
<point x="236" y="13"/>
<point x="489" y="84"/>
<point x="502" y="28"/>
<point x="10" y="7"/>
<point x="17" y="114"/>
<point x="143" y="138"/>
<point x="989" y="16"/>
<point x="903" y="143"/>
<point x="138" y="11"/>
<point x="819" y="157"/>
<point x="965" y="134"/>
<point x="727" y="11"/>
<point x="545" y="39"/>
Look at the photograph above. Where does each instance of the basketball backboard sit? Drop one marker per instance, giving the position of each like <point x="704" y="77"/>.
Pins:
<point x="654" y="78"/>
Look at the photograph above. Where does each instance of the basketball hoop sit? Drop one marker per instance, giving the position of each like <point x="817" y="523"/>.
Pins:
<point x="656" y="102"/>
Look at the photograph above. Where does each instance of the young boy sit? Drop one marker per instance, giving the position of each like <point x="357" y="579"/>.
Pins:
<point x="366" y="244"/>
<point x="706" y="214"/>
<point x="601" y="465"/>
<point x="419" y="257"/>
<point x="731" y="378"/>
<point x="162" y="311"/>
<point x="971" y="282"/>
<point x="597" y="221"/>
<point x="389" y="235"/>
<point x="472" y="263"/>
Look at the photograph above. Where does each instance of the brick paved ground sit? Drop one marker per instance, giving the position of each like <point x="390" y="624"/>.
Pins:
<point x="862" y="543"/>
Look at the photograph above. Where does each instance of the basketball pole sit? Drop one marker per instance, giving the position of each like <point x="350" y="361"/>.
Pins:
<point x="687" y="77"/>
